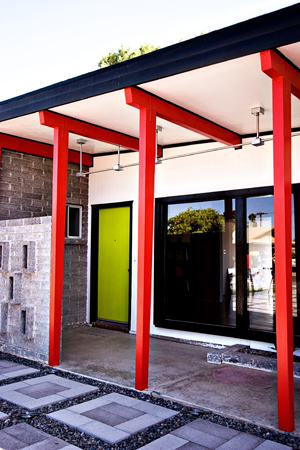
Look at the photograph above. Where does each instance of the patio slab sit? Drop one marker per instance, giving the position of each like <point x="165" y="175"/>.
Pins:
<point x="10" y="369"/>
<point x="3" y="416"/>
<point x="26" y="437"/>
<point x="38" y="392"/>
<point x="113" y="417"/>
<point x="203" y="434"/>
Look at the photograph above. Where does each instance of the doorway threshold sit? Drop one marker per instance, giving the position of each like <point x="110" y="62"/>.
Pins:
<point x="111" y="325"/>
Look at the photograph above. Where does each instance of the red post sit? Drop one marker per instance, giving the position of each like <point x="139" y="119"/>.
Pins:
<point x="283" y="250"/>
<point x="145" y="243"/>
<point x="59" y="193"/>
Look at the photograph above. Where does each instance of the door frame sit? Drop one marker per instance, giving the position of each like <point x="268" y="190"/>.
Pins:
<point x="94" y="256"/>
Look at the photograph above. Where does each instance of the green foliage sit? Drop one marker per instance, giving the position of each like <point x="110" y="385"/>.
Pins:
<point x="124" y="54"/>
<point x="252" y="217"/>
<point x="196" y="221"/>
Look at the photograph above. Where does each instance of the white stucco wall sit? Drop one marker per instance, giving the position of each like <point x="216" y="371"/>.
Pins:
<point x="210" y="172"/>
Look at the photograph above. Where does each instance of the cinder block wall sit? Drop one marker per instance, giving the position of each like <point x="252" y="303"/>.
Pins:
<point x="25" y="286"/>
<point x="26" y="191"/>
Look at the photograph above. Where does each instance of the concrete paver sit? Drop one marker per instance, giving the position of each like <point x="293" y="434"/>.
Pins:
<point x="168" y="442"/>
<point x="202" y="435"/>
<point x="113" y="417"/>
<point x="199" y="437"/>
<point x="102" y="431"/>
<point x="3" y="416"/>
<point x="214" y="429"/>
<point x="36" y="392"/>
<point x="244" y="441"/>
<point x="9" y="369"/>
<point x="270" y="445"/>
<point x="25" y="437"/>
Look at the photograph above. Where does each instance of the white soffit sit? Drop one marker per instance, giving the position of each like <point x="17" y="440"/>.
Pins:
<point x="223" y="93"/>
<point x="292" y="52"/>
<point x="111" y="111"/>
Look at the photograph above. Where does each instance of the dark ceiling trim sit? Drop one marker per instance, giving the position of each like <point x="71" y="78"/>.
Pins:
<point x="265" y="32"/>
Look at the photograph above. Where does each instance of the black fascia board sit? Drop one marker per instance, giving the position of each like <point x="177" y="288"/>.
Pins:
<point x="265" y="32"/>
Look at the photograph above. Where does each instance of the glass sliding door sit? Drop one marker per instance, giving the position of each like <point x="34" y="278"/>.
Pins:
<point x="261" y="271"/>
<point x="200" y="262"/>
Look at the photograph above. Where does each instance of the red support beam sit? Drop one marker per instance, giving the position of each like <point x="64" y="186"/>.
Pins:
<point x="145" y="243"/>
<point x="27" y="146"/>
<point x="88" y="130"/>
<point x="282" y="74"/>
<point x="283" y="251"/>
<point x="275" y="66"/>
<point x="179" y="116"/>
<point x="59" y="194"/>
<point x="150" y="107"/>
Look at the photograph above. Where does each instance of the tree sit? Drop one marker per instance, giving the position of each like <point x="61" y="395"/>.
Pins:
<point x="196" y="221"/>
<point x="124" y="54"/>
<point x="252" y="217"/>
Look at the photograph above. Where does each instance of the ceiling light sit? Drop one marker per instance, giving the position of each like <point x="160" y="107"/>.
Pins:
<point x="257" y="142"/>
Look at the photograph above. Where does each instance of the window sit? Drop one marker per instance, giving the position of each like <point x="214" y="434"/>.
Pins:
<point x="197" y="263"/>
<point x="73" y="221"/>
<point x="261" y="263"/>
<point x="214" y="263"/>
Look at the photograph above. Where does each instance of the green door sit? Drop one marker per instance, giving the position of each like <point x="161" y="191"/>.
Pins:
<point x="113" y="264"/>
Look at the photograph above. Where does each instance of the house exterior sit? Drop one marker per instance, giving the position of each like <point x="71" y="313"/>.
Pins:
<point x="159" y="196"/>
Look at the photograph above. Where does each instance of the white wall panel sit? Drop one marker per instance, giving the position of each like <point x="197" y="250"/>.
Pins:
<point x="210" y="172"/>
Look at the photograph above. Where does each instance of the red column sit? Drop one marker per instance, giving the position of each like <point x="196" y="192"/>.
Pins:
<point x="145" y="243"/>
<point x="283" y="251"/>
<point x="59" y="193"/>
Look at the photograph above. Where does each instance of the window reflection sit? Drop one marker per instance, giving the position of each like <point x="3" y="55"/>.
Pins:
<point x="261" y="263"/>
<point x="200" y="272"/>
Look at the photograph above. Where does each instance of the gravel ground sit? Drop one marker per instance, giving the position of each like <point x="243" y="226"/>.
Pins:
<point x="185" y="414"/>
<point x="253" y="351"/>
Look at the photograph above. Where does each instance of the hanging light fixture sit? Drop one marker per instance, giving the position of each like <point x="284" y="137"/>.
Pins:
<point x="118" y="168"/>
<point x="158" y="129"/>
<point x="81" y="142"/>
<point x="257" y="142"/>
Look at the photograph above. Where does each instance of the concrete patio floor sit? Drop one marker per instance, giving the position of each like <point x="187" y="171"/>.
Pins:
<point x="178" y="371"/>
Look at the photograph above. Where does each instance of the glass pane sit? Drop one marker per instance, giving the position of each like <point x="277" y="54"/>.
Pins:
<point x="74" y="222"/>
<point x="261" y="263"/>
<point x="200" y="262"/>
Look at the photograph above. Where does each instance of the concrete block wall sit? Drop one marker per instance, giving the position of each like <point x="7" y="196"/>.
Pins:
<point x="75" y="261"/>
<point x="26" y="191"/>
<point x="25" y="287"/>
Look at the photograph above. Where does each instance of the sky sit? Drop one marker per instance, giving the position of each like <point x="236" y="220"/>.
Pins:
<point x="44" y="42"/>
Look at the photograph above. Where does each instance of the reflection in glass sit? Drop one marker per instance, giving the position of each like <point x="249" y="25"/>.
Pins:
<point x="200" y="262"/>
<point x="261" y="263"/>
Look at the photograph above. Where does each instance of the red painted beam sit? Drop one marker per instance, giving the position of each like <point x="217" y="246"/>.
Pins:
<point x="275" y="66"/>
<point x="145" y="243"/>
<point x="59" y="194"/>
<point x="88" y="130"/>
<point x="179" y="116"/>
<point x="283" y="251"/>
<point x="27" y="146"/>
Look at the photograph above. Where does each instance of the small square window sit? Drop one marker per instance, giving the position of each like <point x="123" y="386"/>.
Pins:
<point x="73" y="221"/>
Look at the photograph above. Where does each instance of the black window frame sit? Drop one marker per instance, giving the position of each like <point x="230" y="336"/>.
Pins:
<point x="241" y="330"/>
<point x="67" y="225"/>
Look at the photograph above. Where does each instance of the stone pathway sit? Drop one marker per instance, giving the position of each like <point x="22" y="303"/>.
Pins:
<point x="202" y="435"/>
<point x="10" y="369"/>
<point x="37" y="392"/>
<point x="112" y="418"/>
<point x="25" y="437"/>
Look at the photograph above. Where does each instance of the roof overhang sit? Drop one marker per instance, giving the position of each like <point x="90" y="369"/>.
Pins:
<point x="216" y="76"/>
